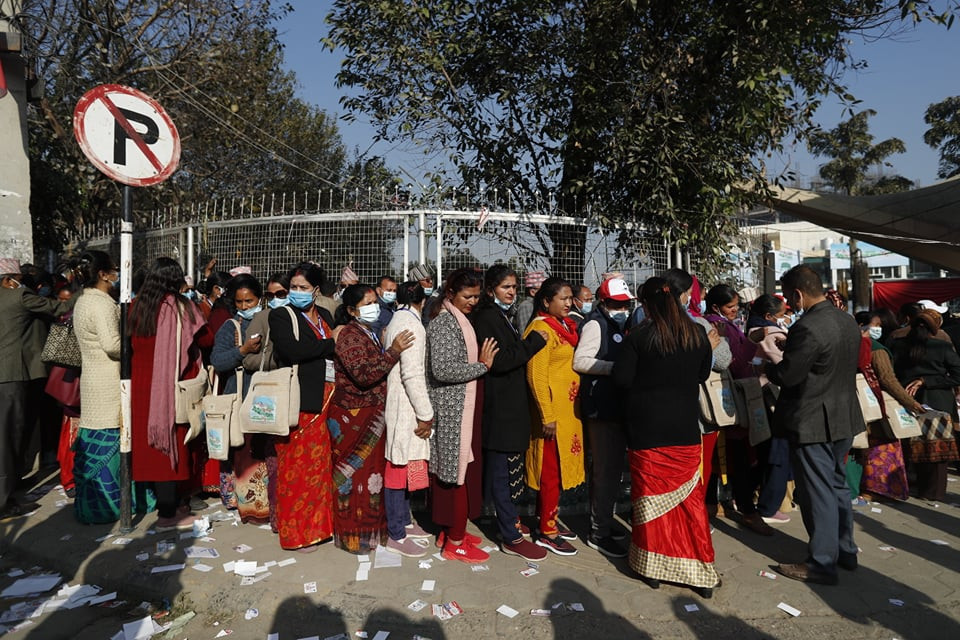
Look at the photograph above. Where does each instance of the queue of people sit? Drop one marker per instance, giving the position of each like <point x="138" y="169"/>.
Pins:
<point x="406" y="388"/>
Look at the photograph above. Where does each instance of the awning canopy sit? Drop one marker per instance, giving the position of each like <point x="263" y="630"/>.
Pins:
<point x="923" y="224"/>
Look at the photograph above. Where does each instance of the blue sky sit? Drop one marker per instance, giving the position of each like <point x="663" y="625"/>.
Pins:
<point x="904" y="75"/>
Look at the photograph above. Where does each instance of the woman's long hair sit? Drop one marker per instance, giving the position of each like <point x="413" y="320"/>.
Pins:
<point x="90" y="265"/>
<point x="351" y="297"/>
<point x="457" y="281"/>
<point x="922" y="328"/>
<point x="671" y="329"/>
<point x="547" y="292"/>
<point x="165" y="278"/>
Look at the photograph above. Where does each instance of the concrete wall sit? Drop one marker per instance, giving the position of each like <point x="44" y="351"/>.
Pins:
<point x="16" y="235"/>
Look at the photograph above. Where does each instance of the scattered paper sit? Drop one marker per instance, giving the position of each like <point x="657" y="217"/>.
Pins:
<point x="250" y="614"/>
<point x="167" y="567"/>
<point x="416" y="605"/>
<point x="886" y="548"/>
<point x="576" y="606"/>
<point x="526" y="573"/>
<point x="439" y="557"/>
<point x="122" y="541"/>
<point x="363" y="573"/>
<point x="362" y="634"/>
<point x="287" y="562"/>
<point x="690" y="608"/>
<point x="385" y="559"/>
<point x="767" y="574"/>
<point x="141" y="629"/>
<point x="229" y="566"/>
<point x="783" y="606"/>
<point x="66" y="537"/>
<point x="365" y="557"/>
<point x="544" y="613"/>
<point x="309" y="587"/>
<point x="201" y="552"/>
<point x="381" y="635"/>
<point x="479" y="568"/>
<point x="242" y="548"/>
<point x="426" y="564"/>
<point x="201" y="526"/>
<point x="245" y="568"/>
<point x="510" y="612"/>
<point x="223" y="633"/>
<point x="273" y="636"/>
<point x="897" y="602"/>
<point x="14" y="573"/>
<point x="941" y="542"/>
<point x="428" y="585"/>
<point x="441" y="612"/>
<point x="164" y="546"/>
<point x="142" y="556"/>
<point x="204" y="568"/>
<point x="876" y="510"/>
<point x="489" y="548"/>
<point x="32" y="584"/>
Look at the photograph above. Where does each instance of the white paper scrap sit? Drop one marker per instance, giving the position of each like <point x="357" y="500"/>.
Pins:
<point x="204" y="568"/>
<point x="273" y="636"/>
<point x="876" y="510"/>
<point x="229" y="566"/>
<point x="167" y="567"/>
<point x="142" y="556"/>
<point x="416" y="605"/>
<point x="269" y="563"/>
<point x="489" y="548"/>
<point x="122" y="541"/>
<point x="887" y="548"/>
<point x="943" y="543"/>
<point x="690" y="608"/>
<point x="783" y="606"/>
<point x="363" y="573"/>
<point x="385" y="559"/>
<point x="439" y="557"/>
<point x="15" y="573"/>
<point x="287" y="562"/>
<point x="32" y="584"/>
<point x="309" y="587"/>
<point x="363" y="557"/>
<point x="224" y="633"/>
<point x="897" y="602"/>
<point x="381" y="635"/>
<point x="426" y="564"/>
<point x="428" y="585"/>
<point x="510" y="612"/>
<point x="106" y="537"/>
<point x="576" y="606"/>
<point x="250" y="614"/>
<point x="201" y="552"/>
<point x="101" y="599"/>
<point x="242" y="548"/>
<point x="245" y="568"/>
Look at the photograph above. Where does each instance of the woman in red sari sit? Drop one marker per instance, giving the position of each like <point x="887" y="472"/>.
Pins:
<point x="304" y="509"/>
<point x="660" y="369"/>
<point x="356" y="420"/>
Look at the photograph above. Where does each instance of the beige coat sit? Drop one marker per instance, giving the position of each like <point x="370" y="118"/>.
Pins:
<point x="96" y="322"/>
<point x="407" y="396"/>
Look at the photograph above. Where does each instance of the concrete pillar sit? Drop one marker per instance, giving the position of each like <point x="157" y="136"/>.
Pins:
<point x="16" y="241"/>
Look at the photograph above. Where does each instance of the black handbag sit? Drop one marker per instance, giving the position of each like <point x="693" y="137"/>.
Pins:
<point x="61" y="347"/>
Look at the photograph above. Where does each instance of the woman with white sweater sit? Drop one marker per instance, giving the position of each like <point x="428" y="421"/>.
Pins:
<point x="96" y="323"/>
<point x="409" y="419"/>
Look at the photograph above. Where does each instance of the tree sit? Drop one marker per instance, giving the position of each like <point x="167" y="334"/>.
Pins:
<point x="850" y="145"/>
<point x="629" y="111"/>
<point x="214" y="65"/>
<point x="944" y="134"/>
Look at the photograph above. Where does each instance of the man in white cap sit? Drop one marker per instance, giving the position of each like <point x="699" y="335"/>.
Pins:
<point x="19" y="306"/>
<point x="601" y="338"/>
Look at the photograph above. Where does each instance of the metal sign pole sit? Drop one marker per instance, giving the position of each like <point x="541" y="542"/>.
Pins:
<point x="126" y="278"/>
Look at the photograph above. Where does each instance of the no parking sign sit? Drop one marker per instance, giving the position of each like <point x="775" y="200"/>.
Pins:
<point x="127" y="135"/>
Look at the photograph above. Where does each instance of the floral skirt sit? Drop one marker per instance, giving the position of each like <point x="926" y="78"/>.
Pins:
<point x="884" y="472"/>
<point x="359" y="447"/>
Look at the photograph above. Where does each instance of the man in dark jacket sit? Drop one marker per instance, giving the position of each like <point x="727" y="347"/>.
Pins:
<point x="818" y="413"/>
<point x="601" y="338"/>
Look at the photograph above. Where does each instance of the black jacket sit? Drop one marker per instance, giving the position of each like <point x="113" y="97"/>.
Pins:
<point x="309" y="352"/>
<point x="660" y="394"/>
<point x="506" y="408"/>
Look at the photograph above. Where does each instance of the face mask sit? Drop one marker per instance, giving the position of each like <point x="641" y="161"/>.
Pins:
<point x="247" y="314"/>
<point x="503" y="305"/>
<point x="587" y="307"/>
<point x="369" y="313"/>
<point x="276" y="303"/>
<point x="620" y="317"/>
<point x="116" y="284"/>
<point x="797" y="314"/>
<point x="300" y="299"/>
<point x="190" y="295"/>
<point x="428" y="291"/>
<point x="19" y="284"/>
<point x="43" y="292"/>
<point x="703" y="307"/>
<point x="875" y="332"/>
<point x="783" y="323"/>
<point x="389" y="297"/>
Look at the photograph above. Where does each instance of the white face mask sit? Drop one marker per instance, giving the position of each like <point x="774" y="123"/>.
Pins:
<point x="875" y="332"/>
<point x="783" y="322"/>
<point x="389" y="297"/>
<point x="369" y="313"/>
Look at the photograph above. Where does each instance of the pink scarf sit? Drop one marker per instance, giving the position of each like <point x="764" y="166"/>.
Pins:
<point x="470" y="397"/>
<point x="160" y="432"/>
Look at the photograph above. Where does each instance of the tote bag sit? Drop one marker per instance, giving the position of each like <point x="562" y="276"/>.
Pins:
<point x="902" y="423"/>
<point x="869" y="403"/>
<point x="272" y="404"/>
<point x="188" y="394"/>
<point x="221" y="415"/>
<point x="61" y="347"/>
<point x="718" y="408"/>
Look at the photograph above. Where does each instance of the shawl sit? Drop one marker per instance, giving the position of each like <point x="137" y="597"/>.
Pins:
<point x="693" y="305"/>
<point x="470" y="397"/>
<point x="160" y="419"/>
<point x="567" y="331"/>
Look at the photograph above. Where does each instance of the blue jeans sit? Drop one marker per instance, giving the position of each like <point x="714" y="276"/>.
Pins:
<point x="396" y="503"/>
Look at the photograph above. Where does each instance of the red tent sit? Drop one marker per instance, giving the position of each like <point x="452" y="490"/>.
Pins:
<point x="891" y="294"/>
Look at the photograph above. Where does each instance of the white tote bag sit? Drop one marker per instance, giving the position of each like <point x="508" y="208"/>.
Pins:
<point x="272" y="403"/>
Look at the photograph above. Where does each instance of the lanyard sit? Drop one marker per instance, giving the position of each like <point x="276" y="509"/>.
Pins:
<point x="507" y="320"/>
<point x="372" y="335"/>
<point x="318" y="327"/>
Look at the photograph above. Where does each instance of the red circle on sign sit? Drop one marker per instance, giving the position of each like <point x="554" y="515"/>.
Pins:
<point x="160" y="168"/>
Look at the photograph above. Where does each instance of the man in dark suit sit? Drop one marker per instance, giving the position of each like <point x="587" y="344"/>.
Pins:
<point x="818" y="413"/>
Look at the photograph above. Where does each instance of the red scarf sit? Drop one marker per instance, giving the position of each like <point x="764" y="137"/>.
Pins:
<point x="567" y="331"/>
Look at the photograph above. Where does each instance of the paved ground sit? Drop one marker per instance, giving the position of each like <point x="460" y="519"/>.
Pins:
<point x="922" y="574"/>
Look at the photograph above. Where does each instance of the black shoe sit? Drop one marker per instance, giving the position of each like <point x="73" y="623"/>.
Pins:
<point x="607" y="546"/>
<point x="847" y="561"/>
<point x="198" y="504"/>
<point x="565" y="533"/>
<point x="704" y="592"/>
<point x="71" y="492"/>
<point x="653" y="583"/>
<point x="805" y="573"/>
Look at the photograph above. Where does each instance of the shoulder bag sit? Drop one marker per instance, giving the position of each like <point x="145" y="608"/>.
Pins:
<point x="189" y="393"/>
<point x="272" y="404"/>
<point x="869" y="403"/>
<point x="222" y="415"/>
<point x="61" y="347"/>
<point x="718" y="407"/>
<point x="902" y="423"/>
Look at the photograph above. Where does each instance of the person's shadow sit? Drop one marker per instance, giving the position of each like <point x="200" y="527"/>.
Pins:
<point x="299" y="617"/>
<point x="593" y="621"/>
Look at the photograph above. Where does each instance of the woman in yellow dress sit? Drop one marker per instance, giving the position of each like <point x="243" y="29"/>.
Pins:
<point x="555" y="457"/>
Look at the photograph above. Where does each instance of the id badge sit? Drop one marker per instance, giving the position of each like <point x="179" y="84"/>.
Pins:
<point x="331" y="375"/>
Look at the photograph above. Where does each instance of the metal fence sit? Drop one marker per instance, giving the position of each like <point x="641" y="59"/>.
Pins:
<point x="389" y="241"/>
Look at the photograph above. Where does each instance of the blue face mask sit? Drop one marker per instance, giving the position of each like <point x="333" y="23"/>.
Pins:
<point x="247" y="314"/>
<point x="389" y="297"/>
<point x="369" y="313"/>
<point x="620" y="317"/>
<point x="703" y="307"/>
<point x="428" y="291"/>
<point x="587" y="307"/>
<point x="276" y="303"/>
<point x="190" y="295"/>
<point x="503" y="305"/>
<point x="300" y="299"/>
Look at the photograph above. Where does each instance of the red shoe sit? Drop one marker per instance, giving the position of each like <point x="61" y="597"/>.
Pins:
<point x="468" y="538"/>
<point x="525" y="549"/>
<point x="464" y="552"/>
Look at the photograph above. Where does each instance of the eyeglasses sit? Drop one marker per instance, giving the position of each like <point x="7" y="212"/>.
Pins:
<point x="268" y="295"/>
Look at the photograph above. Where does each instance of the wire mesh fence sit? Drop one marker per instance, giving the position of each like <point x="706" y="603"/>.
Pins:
<point x="389" y="242"/>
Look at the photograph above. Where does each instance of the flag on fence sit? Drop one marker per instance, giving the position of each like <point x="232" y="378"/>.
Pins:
<point x="484" y="214"/>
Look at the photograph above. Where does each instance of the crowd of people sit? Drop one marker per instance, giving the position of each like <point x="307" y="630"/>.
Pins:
<point x="472" y="394"/>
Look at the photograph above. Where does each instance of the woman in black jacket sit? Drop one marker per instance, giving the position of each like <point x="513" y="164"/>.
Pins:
<point x="659" y="370"/>
<point x="506" y="412"/>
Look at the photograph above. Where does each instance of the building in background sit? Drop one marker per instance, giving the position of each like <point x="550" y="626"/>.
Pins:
<point x="16" y="241"/>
